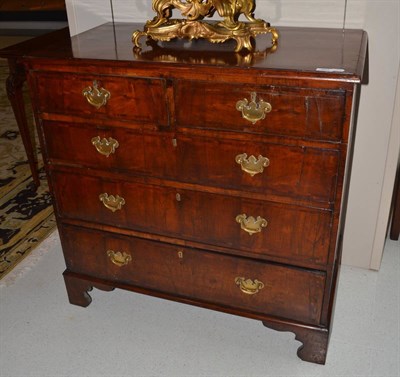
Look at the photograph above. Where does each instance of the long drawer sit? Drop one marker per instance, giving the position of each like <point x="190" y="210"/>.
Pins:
<point x="103" y="97"/>
<point x="297" y="112"/>
<point x="293" y="171"/>
<point x="259" y="228"/>
<point x="225" y="280"/>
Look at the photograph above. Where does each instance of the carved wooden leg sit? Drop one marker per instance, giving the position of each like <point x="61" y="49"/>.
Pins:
<point x="78" y="288"/>
<point x="315" y="340"/>
<point x="15" y="82"/>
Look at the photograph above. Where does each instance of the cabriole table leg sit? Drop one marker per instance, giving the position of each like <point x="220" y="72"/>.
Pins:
<point x="14" y="85"/>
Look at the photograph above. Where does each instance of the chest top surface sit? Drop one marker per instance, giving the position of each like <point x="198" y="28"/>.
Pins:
<point x="321" y="53"/>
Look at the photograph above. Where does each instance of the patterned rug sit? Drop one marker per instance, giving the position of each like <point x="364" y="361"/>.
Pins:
<point x="26" y="215"/>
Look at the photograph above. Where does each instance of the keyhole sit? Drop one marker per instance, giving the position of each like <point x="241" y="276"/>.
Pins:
<point x="178" y="197"/>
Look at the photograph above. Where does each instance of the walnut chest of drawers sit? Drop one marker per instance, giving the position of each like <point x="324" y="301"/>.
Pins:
<point x="192" y="173"/>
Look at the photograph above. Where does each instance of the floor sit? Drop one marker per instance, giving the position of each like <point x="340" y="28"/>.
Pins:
<point x="127" y="334"/>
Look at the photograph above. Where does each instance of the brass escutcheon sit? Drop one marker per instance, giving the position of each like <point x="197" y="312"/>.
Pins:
<point x="96" y="96"/>
<point x="113" y="203"/>
<point x="118" y="258"/>
<point x="253" y="111"/>
<point x="252" y="165"/>
<point x="104" y="146"/>
<point x="250" y="224"/>
<point x="248" y="286"/>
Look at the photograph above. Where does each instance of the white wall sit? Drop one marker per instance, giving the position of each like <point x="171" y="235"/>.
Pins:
<point x="381" y="19"/>
<point x="86" y="14"/>
<point x="364" y="237"/>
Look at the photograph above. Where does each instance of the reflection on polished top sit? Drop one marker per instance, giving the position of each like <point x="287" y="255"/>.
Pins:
<point x="307" y="51"/>
<point x="188" y="52"/>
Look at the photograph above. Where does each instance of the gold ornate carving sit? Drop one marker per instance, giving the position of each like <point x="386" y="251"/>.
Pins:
<point x="118" y="258"/>
<point x="252" y="165"/>
<point x="113" y="203"/>
<point x="163" y="28"/>
<point x="250" y="224"/>
<point x="248" y="286"/>
<point x="96" y="96"/>
<point x="253" y="111"/>
<point x="104" y="146"/>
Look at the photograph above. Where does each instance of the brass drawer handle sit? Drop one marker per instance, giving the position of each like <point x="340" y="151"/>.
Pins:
<point x="104" y="146"/>
<point x="96" y="96"/>
<point x="118" y="258"/>
<point x="252" y="165"/>
<point x="250" y="224"/>
<point x="253" y="111"/>
<point x="113" y="203"/>
<point x="248" y="286"/>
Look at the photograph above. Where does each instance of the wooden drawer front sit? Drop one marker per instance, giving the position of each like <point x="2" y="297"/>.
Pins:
<point x="288" y="292"/>
<point x="293" y="171"/>
<point x="301" y="113"/>
<point x="136" y="99"/>
<point x="293" y="233"/>
<point x="122" y="149"/>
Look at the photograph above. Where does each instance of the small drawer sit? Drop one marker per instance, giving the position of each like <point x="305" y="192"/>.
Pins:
<point x="102" y="97"/>
<point x="301" y="113"/>
<point x="93" y="146"/>
<point x="228" y="281"/>
<point x="285" y="170"/>
<point x="291" y="234"/>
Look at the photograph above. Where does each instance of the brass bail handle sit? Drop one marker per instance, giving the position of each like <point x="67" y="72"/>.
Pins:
<point x="250" y="224"/>
<point x="96" y="96"/>
<point x="253" y="111"/>
<point x="111" y="202"/>
<point x="105" y="146"/>
<point x="249" y="286"/>
<point x="118" y="258"/>
<point x="252" y="165"/>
